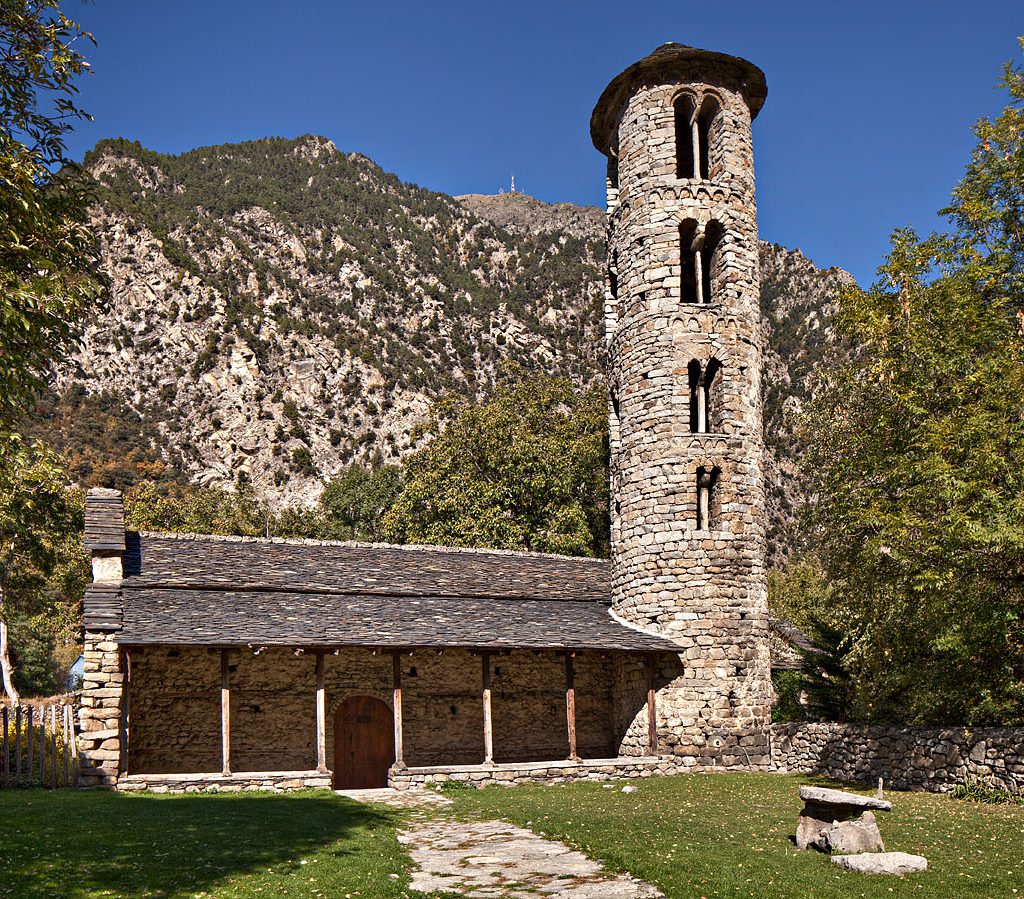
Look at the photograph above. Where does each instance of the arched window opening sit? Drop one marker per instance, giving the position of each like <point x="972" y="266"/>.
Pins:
<point x="684" y="110"/>
<point x="689" y="253"/>
<point x="704" y="125"/>
<point x="696" y="397"/>
<point x="712" y="388"/>
<point x="708" y="504"/>
<point x="705" y="388"/>
<point x="709" y="260"/>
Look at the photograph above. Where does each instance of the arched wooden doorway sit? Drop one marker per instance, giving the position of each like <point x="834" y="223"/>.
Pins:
<point x="364" y="745"/>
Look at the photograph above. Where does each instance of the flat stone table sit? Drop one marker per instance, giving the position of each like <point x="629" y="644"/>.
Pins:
<point x="824" y="807"/>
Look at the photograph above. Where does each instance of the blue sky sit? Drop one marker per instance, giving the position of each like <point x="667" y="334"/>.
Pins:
<point x="866" y="128"/>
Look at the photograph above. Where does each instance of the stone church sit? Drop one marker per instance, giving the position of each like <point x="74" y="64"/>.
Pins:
<point x="245" y="663"/>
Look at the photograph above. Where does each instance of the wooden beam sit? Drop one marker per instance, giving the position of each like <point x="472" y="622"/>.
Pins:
<point x="31" y="749"/>
<point x="396" y="668"/>
<point x="652" y="710"/>
<point x="321" y="716"/>
<point x="53" y="747"/>
<point x="42" y="746"/>
<point x="225" y="715"/>
<point x="570" y="704"/>
<point x="124" y="764"/>
<point x="485" y="659"/>
<point x="17" y="745"/>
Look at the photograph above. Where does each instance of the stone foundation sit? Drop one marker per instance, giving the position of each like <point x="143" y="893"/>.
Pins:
<point x="513" y="775"/>
<point x="907" y="758"/>
<point x="276" y="782"/>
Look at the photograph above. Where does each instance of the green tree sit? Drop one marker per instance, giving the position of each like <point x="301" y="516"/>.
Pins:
<point x="155" y="506"/>
<point x="526" y="470"/>
<point x="35" y="514"/>
<point x="353" y="504"/>
<point x="916" y="449"/>
<point x="48" y="258"/>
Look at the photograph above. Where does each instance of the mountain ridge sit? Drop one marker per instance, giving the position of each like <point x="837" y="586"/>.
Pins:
<point x="280" y="309"/>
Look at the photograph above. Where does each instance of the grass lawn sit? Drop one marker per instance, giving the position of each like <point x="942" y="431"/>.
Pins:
<point x="727" y="835"/>
<point x="69" y="843"/>
<point x="692" y="835"/>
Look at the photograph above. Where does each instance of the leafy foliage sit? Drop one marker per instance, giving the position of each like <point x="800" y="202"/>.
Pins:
<point x="917" y="456"/>
<point x="35" y="512"/>
<point x="354" y="504"/>
<point x="47" y="255"/>
<point x="526" y="470"/>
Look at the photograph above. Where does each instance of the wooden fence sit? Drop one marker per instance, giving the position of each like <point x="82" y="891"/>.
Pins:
<point x="39" y="748"/>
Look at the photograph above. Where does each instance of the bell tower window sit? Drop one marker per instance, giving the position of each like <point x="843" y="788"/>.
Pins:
<point x="703" y="127"/>
<point x="705" y="401"/>
<point x="710" y="261"/>
<point x="708" y="504"/>
<point x="689" y="254"/>
<point x="685" y="144"/>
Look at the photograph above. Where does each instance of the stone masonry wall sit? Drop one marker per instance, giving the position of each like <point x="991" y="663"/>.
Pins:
<point x="907" y="758"/>
<point x="174" y="723"/>
<point x="550" y="773"/>
<point x="100" y="713"/>
<point x="704" y="588"/>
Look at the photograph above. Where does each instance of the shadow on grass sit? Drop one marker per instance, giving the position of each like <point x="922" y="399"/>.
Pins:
<point x="69" y="843"/>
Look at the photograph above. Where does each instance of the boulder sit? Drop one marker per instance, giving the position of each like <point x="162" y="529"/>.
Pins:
<point x="895" y="863"/>
<point x="853" y="837"/>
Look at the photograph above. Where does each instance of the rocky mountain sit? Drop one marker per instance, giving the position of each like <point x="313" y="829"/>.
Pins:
<point x="279" y="309"/>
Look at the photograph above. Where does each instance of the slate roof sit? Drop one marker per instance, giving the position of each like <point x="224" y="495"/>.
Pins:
<point x="324" y="567"/>
<point x="154" y="615"/>
<point x="192" y="589"/>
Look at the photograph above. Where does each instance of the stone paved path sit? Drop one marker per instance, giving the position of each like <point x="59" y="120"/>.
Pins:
<point x="497" y="859"/>
<point x="398" y="798"/>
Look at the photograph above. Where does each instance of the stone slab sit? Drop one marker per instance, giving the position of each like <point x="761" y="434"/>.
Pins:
<point x="897" y="864"/>
<point x="825" y="796"/>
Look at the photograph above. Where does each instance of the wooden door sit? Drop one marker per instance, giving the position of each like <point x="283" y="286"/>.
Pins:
<point x="364" y="743"/>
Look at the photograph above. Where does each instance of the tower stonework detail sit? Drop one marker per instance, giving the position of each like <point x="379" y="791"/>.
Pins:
<point x="682" y="321"/>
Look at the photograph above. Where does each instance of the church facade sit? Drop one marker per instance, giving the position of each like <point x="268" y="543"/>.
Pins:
<point x="235" y="663"/>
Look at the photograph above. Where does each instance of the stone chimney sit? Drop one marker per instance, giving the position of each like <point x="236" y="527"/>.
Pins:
<point x="104" y="534"/>
<point x="101" y="716"/>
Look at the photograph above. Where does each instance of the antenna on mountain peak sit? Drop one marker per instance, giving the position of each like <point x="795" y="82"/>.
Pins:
<point x="512" y="190"/>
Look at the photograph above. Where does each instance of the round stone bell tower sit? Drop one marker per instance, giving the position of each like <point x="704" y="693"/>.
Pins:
<point x="682" y="321"/>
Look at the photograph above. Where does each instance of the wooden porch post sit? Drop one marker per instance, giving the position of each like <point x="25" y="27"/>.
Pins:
<point x="321" y="716"/>
<point x="652" y="710"/>
<point x="225" y="715"/>
<point x="488" y="732"/>
<point x="124" y="724"/>
<point x="570" y="704"/>
<point x="396" y="666"/>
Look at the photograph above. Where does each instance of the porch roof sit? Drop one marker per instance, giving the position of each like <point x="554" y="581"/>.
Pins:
<point x="268" y="618"/>
<point x="222" y="591"/>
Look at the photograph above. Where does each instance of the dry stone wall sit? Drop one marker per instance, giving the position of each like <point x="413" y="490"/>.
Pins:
<point x="907" y="758"/>
<point x="174" y="701"/>
<point x="700" y="583"/>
